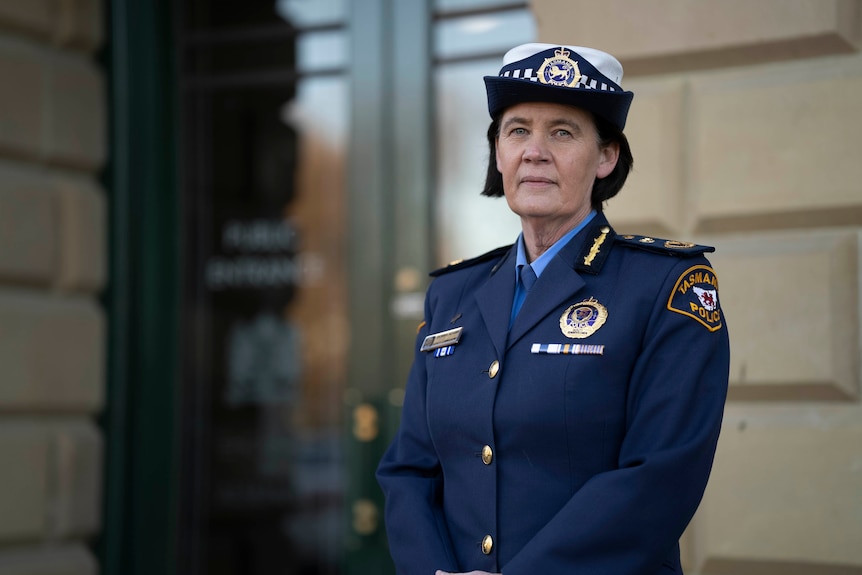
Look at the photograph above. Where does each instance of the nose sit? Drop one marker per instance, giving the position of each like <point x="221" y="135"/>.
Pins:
<point x="535" y="151"/>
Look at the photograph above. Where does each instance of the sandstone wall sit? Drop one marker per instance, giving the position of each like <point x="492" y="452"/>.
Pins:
<point x="53" y="139"/>
<point x="747" y="135"/>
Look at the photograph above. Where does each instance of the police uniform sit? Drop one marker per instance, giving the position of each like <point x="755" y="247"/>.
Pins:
<point x="578" y="441"/>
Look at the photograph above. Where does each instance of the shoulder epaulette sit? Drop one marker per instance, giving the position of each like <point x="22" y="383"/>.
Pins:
<point x="660" y="246"/>
<point x="461" y="264"/>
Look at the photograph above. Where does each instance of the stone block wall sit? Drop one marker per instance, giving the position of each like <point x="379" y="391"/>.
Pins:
<point x="52" y="269"/>
<point x="747" y="135"/>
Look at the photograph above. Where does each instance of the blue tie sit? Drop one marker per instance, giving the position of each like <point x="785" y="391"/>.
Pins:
<point x="528" y="277"/>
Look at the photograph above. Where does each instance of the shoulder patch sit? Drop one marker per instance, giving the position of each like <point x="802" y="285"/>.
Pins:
<point x="660" y="246"/>
<point x="461" y="264"/>
<point x="695" y="295"/>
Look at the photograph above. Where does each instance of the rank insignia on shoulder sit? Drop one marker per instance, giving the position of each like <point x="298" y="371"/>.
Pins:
<point x="657" y="245"/>
<point x="695" y="295"/>
<point x="442" y="339"/>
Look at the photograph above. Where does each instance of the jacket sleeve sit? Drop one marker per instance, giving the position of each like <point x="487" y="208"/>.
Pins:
<point x="628" y="521"/>
<point x="412" y="481"/>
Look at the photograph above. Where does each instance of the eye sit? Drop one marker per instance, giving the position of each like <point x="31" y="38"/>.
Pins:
<point x="518" y="131"/>
<point x="563" y="133"/>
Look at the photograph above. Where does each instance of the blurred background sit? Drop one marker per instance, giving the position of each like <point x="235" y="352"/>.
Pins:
<point x="217" y="219"/>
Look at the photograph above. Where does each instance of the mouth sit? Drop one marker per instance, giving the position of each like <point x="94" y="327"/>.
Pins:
<point x="536" y="180"/>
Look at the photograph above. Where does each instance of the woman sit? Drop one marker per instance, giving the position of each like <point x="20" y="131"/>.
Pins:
<point x="566" y="395"/>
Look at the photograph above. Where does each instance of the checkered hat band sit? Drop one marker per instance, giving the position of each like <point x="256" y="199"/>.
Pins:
<point x="583" y="82"/>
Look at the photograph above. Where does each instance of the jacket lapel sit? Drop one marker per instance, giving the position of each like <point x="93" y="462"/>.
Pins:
<point x="558" y="283"/>
<point x="494" y="299"/>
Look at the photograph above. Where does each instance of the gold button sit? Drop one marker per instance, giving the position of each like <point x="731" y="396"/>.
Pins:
<point x="487" y="455"/>
<point x="493" y="369"/>
<point x="487" y="544"/>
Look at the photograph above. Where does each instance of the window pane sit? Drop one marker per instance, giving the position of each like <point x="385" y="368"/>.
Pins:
<point x="264" y="472"/>
<point x="468" y="223"/>
<point x="319" y="114"/>
<point x="483" y="34"/>
<point x="305" y="13"/>
<point x="321" y="51"/>
<point x="455" y="5"/>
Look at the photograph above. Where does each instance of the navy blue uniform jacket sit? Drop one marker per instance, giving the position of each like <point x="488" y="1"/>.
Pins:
<point x="593" y="463"/>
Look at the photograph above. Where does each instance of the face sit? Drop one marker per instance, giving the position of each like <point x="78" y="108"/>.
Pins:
<point x="549" y="156"/>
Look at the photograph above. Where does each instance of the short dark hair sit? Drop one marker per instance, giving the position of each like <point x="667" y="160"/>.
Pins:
<point x="603" y="188"/>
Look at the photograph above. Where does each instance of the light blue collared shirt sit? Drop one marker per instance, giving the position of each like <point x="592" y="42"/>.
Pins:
<point x="540" y="264"/>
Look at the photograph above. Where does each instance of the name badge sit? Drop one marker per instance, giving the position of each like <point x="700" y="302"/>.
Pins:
<point x="441" y="339"/>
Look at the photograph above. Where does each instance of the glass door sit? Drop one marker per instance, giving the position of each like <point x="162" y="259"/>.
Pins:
<point x="263" y="129"/>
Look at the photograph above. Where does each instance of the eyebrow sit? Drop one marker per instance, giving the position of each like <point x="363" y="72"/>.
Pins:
<point x="514" y="120"/>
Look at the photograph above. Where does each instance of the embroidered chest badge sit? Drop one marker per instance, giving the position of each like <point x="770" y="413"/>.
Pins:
<point x="696" y="295"/>
<point x="583" y="319"/>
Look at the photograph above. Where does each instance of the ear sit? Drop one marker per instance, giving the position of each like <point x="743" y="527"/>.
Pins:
<point x="497" y="153"/>
<point x="608" y="159"/>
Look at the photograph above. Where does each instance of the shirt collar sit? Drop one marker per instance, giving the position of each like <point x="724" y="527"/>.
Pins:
<point x="543" y="260"/>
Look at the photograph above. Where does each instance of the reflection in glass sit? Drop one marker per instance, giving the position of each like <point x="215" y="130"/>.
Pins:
<point x="483" y="34"/>
<point x="457" y="5"/>
<point x="264" y="140"/>
<point x="307" y="13"/>
<point x="468" y="223"/>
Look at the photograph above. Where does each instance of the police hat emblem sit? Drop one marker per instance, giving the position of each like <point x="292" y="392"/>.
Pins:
<point x="559" y="70"/>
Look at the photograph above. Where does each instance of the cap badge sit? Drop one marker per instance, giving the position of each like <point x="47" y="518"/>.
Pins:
<point x="583" y="319"/>
<point x="560" y="70"/>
